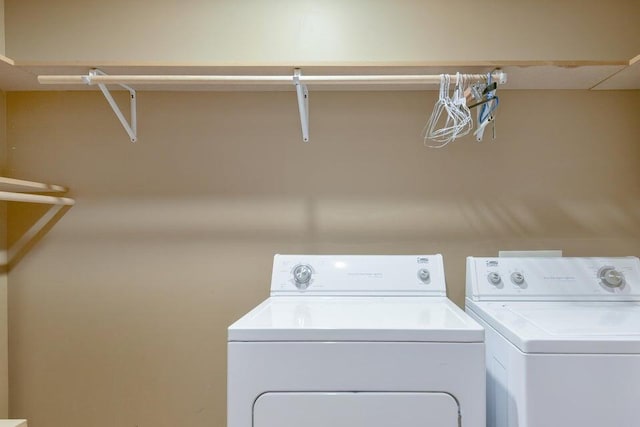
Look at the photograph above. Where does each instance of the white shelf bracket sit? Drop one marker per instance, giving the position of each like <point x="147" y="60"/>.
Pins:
<point x="303" y="103"/>
<point x="131" y="128"/>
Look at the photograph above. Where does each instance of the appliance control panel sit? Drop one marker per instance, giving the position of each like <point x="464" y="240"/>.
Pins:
<point x="391" y="275"/>
<point x="553" y="278"/>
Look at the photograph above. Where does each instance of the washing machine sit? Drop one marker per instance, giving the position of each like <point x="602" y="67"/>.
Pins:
<point x="356" y="341"/>
<point x="562" y="340"/>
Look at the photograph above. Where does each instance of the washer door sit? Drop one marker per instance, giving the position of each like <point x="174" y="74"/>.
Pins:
<point x="355" y="409"/>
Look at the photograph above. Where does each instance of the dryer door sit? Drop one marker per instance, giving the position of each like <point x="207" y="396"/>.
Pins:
<point x="355" y="409"/>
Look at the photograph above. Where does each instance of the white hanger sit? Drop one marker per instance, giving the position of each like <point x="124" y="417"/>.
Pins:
<point x="458" y="122"/>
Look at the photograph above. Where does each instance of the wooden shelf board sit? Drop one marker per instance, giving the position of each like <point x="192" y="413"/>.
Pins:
<point x="312" y="64"/>
<point x="21" y="186"/>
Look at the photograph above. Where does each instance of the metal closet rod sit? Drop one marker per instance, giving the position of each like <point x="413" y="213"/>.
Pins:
<point x="429" y="79"/>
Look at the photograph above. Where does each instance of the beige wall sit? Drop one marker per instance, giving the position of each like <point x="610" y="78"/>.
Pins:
<point x="2" y="28"/>
<point x="300" y="31"/>
<point x="119" y="315"/>
<point x="4" y="355"/>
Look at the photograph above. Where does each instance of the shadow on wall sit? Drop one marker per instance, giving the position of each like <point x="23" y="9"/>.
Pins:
<point x="334" y="219"/>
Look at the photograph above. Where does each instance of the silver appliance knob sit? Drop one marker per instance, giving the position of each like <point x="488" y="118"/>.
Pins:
<point x="611" y="277"/>
<point x="424" y="275"/>
<point x="302" y="276"/>
<point x="494" y="278"/>
<point x="517" y="278"/>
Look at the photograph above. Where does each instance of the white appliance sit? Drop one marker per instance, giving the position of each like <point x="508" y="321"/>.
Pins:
<point x="562" y="340"/>
<point x="356" y="341"/>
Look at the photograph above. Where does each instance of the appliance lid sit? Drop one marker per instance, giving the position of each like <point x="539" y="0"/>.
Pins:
<point x="565" y="327"/>
<point x="317" y="318"/>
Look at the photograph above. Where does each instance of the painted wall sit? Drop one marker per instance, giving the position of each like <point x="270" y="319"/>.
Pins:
<point x="2" y="28"/>
<point x="301" y="31"/>
<point x="4" y="352"/>
<point x="119" y="315"/>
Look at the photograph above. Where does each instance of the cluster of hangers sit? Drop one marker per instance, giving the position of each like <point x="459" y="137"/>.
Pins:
<point x="452" y="117"/>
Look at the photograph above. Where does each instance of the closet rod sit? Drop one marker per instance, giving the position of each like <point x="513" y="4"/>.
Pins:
<point x="434" y="79"/>
<point x="21" y="186"/>
<point x="8" y="196"/>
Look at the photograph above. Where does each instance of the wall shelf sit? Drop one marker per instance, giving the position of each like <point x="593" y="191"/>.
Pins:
<point x="531" y="75"/>
<point x="17" y="190"/>
<point x="22" y="75"/>
<point x="523" y="75"/>
<point x="21" y="186"/>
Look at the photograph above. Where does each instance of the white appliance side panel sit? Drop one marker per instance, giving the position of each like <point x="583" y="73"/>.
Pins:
<point x="355" y="410"/>
<point x="258" y="367"/>
<point x="392" y="275"/>
<point x="506" y="383"/>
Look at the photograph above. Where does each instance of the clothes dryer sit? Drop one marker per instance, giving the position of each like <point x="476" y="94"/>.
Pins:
<point x="356" y="341"/>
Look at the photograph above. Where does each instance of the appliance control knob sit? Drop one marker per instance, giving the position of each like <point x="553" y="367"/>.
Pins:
<point x="302" y="276"/>
<point x="494" y="278"/>
<point x="424" y="275"/>
<point x="611" y="277"/>
<point x="517" y="278"/>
